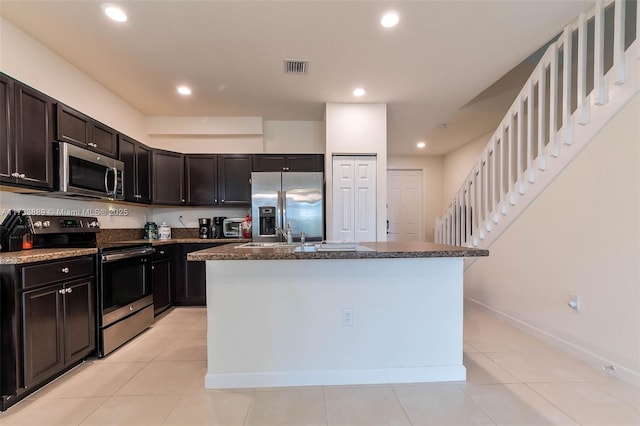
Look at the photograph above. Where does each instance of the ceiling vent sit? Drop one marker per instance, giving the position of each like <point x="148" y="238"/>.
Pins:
<point x="296" y="66"/>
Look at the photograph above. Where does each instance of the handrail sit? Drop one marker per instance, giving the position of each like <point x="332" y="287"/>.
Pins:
<point x="537" y="137"/>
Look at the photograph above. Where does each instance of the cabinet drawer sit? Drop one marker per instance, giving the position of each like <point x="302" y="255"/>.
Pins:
<point x="51" y="272"/>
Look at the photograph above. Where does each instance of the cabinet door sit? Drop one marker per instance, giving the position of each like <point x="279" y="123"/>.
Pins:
<point x="143" y="173"/>
<point x="201" y="179"/>
<point x="105" y="139"/>
<point x="168" y="177"/>
<point x="73" y="127"/>
<point x="7" y="154"/>
<point x="269" y="163"/>
<point x="43" y="346"/>
<point x="305" y="163"/>
<point x="34" y="137"/>
<point x="234" y="180"/>
<point x="191" y="281"/>
<point x="79" y="319"/>
<point x="127" y="150"/>
<point x="161" y="279"/>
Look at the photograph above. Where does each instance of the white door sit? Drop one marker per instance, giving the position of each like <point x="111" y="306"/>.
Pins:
<point x="354" y="199"/>
<point x="404" y="205"/>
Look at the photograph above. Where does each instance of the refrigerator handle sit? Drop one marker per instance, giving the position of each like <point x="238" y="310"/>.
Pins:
<point x="279" y="211"/>
<point x="284" y="209"/>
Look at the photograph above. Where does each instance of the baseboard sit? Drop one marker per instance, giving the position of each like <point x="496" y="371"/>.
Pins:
<point x="367" y="376"/>
<point x="625" y="374"/>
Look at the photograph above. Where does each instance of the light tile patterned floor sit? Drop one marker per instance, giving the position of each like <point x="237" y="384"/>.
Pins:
<point x="157" y="379"/>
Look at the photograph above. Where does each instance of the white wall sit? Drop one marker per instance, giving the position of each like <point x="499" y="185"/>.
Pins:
<point x="432" y="179"/>
<point x="302" y="137"/>
<point x="580" y="236"/>
<point x="28" y="61"/>
<point x="457" y="165"/>
<point x="358" y="129"/>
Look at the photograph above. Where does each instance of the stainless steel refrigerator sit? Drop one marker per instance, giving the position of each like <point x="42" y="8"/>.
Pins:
<point x="279" y="199"/>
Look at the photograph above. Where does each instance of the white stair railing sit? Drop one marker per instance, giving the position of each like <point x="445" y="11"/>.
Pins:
<point x="557" y="113"/>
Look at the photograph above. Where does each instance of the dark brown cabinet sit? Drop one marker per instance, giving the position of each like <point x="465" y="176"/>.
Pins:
<point x="218" y="180"/>
<point x="234" y="179"/>
<point x="76" y="128"/>
<point x="163" y="269"/>
<point x="137" y="169"/>
<point x="288" y="163"/>
<point x="191" y="279"/>
<point x="201" y="173"/>
<point x="168" y="177"/>
<point x="26" y="135"/>
<point x="59" y="328"/>
<point x="48" y="322"/>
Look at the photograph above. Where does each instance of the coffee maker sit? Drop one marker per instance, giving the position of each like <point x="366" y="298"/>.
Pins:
<point x="217" y="230"/>
<point x="205" y="227"/>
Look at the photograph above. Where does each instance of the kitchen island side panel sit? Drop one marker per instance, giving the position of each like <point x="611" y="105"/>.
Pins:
<point x="280" y="322"/>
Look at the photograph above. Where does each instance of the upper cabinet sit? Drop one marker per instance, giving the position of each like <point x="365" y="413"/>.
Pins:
<point x="201" y="173"/>
<point x="218" y="180"/>
<point x="26" y="135"/>
<point x="234" y="179"/>
<point x="137" y="169"/>
<point x="79" y="129"/>
<point x="168" y="177"/>
<point x="288" y="163"/>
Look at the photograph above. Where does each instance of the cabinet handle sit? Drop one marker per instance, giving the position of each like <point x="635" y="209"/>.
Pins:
<point x="222" y="201"/>
<point x="153" y="267"/>
<point x="15" y="174"/>
<point x="63" y="291"/>
<point x="92" y="145"/>
<point x="69" y="290"/>
<point x="161" y="251"/>
<point x="22" y="176"/>
<point x="65" y="270"/>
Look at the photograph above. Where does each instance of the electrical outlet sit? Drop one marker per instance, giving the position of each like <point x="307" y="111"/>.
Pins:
<point x="574" y="302"/>
<point x="347" y="317"/>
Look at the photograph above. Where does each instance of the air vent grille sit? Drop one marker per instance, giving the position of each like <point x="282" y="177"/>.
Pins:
<point x="296" y="66"/>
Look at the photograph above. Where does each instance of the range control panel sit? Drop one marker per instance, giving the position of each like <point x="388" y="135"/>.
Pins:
<point x="42" y="224"/>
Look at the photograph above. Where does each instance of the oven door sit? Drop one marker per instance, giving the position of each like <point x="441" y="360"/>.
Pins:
<point x="125" y="284"/>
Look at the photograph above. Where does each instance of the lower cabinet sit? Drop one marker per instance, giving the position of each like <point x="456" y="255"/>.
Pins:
<point x="163" y="270"/>
<point x="191" y="280"/>
<point x="48" y="322"/>
<point x="59" y="328"/>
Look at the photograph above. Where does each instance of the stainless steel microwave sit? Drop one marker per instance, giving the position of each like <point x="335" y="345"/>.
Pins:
<point x="85" y="174"/>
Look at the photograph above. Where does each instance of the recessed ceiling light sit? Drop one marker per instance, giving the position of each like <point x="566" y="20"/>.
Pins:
<point x="390" y="19"/>
<point x="359" y="92"/>
<point x="184" y="90"/>
<point x="114" y="12"/>
<point x="421" y="144"/>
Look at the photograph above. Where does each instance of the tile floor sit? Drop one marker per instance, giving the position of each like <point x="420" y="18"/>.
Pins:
<point x="157" y="379"/>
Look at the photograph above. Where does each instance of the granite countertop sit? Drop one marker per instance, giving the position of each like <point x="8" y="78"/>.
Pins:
<point x="379" y="250"/>
<point x="40" y="255"/>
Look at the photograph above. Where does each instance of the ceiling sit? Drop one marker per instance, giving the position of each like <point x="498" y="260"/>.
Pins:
<point x="430" y="69"/>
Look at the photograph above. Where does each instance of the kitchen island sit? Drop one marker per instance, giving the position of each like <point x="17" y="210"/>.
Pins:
<point x="387" y="313"/>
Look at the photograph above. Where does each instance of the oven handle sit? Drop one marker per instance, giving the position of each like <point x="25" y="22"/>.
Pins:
<point x="111" y="257"/>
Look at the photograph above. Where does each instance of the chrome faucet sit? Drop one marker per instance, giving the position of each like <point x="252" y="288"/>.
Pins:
<point x="282" y="233"/>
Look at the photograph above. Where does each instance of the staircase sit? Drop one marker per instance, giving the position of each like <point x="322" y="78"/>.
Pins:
<point x="584" y="78"/>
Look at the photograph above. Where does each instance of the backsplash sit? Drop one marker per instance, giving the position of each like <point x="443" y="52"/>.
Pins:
<point x="117" y="216"/>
